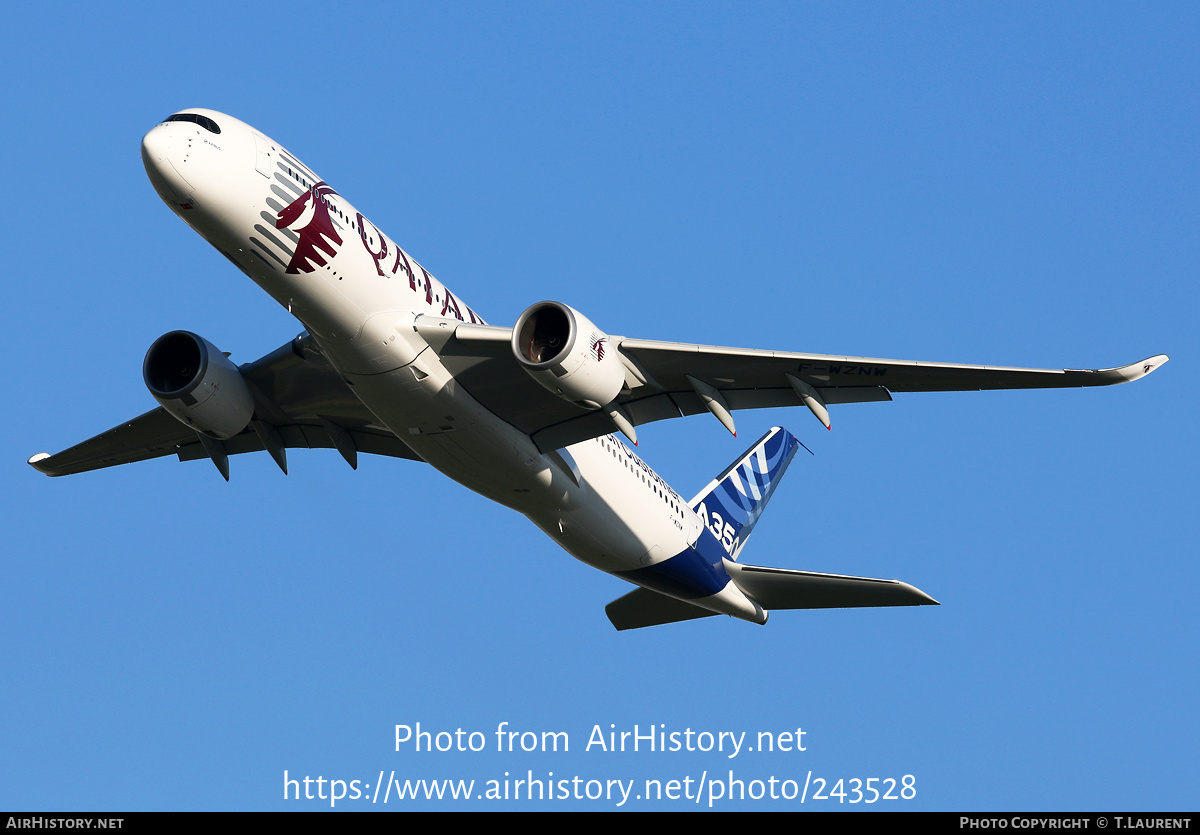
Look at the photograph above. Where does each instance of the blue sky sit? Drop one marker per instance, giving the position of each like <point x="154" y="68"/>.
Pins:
<point x="985" y="183"/>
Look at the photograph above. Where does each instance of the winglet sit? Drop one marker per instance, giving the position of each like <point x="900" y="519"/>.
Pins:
<point x="1141" y="369"/>
<point x="1124" y="374"/>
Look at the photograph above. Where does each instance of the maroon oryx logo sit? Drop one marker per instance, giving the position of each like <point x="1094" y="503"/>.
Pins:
<point x="598" y="346"/>
<point x="317" y="236"/>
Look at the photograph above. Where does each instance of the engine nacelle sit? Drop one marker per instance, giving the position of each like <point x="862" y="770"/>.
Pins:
<point x="567" y="354"/>
<point x="198" y="385"/>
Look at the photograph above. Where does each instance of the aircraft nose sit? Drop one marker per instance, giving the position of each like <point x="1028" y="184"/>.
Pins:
<point x="160" y="155"/>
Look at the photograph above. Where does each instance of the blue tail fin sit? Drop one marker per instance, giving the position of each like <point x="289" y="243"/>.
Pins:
<point x="732" y="502"/>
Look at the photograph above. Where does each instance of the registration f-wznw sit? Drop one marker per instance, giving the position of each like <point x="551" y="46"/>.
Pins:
<point x="392" y="362"/>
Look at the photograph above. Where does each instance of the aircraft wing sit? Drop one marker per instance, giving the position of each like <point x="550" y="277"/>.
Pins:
<point x="300" y="402"/>
<point x="672" y="379"/>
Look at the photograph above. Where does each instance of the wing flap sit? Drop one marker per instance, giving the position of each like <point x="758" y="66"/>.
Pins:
<point x="304" y="437"/>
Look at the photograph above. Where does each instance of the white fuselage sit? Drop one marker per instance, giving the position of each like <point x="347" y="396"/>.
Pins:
<point x="359" y="296"/>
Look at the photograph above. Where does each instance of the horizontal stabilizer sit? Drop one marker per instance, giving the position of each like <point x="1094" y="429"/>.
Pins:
<point x="784" y="588"/>
<point x="643" y="607"/>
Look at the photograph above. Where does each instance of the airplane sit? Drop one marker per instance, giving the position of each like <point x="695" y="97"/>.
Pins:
<point x="392" y="362"/>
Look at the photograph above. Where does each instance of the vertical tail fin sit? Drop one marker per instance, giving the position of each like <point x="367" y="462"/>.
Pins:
<point x="732" y="502"/>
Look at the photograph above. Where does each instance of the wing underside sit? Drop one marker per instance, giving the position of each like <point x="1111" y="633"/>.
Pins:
<point x="669" y="380"/>
<point x="300" y="402"/>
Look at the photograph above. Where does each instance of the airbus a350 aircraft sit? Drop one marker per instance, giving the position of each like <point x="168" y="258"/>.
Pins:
<point x="394" y="363"/>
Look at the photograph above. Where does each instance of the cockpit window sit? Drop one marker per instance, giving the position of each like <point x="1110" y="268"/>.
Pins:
<point x="203" y="121"/>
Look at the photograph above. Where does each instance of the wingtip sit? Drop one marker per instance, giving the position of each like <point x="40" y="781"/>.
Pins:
<point x="920" y="598"/>
<point x="35" y="461"/>
<point x="1137" y="370"/>
<point x="1124" y="373"/>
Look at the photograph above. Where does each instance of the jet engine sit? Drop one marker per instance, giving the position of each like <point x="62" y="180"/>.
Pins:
<point x="567" y="354"/>
<point x="198" y="385"/>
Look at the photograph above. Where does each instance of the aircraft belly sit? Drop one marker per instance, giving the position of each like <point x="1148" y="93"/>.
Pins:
<point x="606" y="516"/>
<point x="621" y="524"/>
<point x="443" y="425"/>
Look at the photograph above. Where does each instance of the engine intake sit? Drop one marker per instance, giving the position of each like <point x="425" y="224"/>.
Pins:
<point x="568" y="355"/>
<point x="198" y="385"/>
